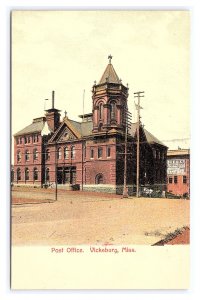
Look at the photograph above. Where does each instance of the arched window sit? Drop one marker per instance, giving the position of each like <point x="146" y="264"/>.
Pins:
<point x="72" y="152"/>
<point x="35" y="154"/>
<point x="66" y="153"/>
<point x="59" y="154"/>
<point x="112" y="110"/>
<point x="101" y="111"/>
<point x="35" y="174"/>
<point x="18" y="174"/>
<point x="47" y="154"/>
<point x="26" y="174"/>
<point x="99" y="179"/>
<point x="19" y="156"/>
<point x="47" y="177"/>
<point x="27" y="155"/>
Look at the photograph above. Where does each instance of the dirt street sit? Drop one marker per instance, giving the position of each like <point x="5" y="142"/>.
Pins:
<point x="89" y="218"/>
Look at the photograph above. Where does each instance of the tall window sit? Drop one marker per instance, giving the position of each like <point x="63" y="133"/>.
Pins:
<point x="101" y="111"/>
<point x="26" y="174"/>
<point x="35" y="174"/>
<point x="27" y="155"/>
<point x="112" y="110"/>
<point x="47" y="154"/>
<point x="35" y="138"/>
<point x="84" y="152"/>
<point x="100" y="152"/>
<point x="18" y="174"/>
<point x="73" y="152"/>
<point x="184" y="179"/>
<point x="19" y="156"/>
<point x="91" y="153"/>
<point x="108" y="151"/>
<point x="170" y="179"/>
<point x="29" y="139"/>
<point x="59" y="153"/>
<point x="35" y="154"/>
<point x="18" y="141"/>
<point x="25" y="140"/>
<point x="175" y="179"/>
<point x="66" y="153"/>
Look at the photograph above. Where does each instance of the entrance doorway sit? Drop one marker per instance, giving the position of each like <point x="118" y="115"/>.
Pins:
<point x="66" y="175"/>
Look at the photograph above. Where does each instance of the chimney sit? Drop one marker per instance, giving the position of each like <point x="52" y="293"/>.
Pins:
<point x="53" y="115"/>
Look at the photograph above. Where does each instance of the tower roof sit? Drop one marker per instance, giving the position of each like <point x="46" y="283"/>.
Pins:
<point x="109" y="74"/>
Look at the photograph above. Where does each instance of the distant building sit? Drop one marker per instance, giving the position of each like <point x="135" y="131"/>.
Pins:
<point x="178" y="172"/>
<point x="89" y="154"/>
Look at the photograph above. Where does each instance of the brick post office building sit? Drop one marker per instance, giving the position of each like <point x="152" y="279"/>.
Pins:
<point x="178" y="172"/>
<point x="89" y="154"/>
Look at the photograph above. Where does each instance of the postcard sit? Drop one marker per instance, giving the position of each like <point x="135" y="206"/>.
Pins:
<point x="100" y="174"/>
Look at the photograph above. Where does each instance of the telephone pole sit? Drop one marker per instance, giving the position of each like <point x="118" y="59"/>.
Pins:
<point x="138" y="95"/>
<point x="127" y="126"/>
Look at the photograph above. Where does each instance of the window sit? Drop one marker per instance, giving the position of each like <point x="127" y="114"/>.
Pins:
<point x="35" y="154"/>
<point x="26" y="174"/>
<point x="59" y="154"/>
<point x="101" y="111"/>
<point x="29" y="139"/>
<point x="170" y="179"/>
<point x="47" y="154"/>
<point x="18" y="141"/>
<point x="18" y="174"/>
<point x="66" y="153"/>
<point x="91" y="153"/>
<point x="25" y="140"/>
<point x="84" y="152"/>
<point x="108" y="151"/>
<point x="19" y="156"/>
<point x="35" y="138"/>
<point x="72" y="152"/>
<point x="100" y="152"/>
<point x="184" y="179"/>
<point x="35" y="174"/>
<point x="175" y="179"/>
<point x="27" y="155"/>
<point x="112" y="110"/>
<point x="99" y="179"/>
<point x="47" y="177"/>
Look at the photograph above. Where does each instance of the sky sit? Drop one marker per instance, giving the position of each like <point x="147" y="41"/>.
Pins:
<point x="67" y="51"/>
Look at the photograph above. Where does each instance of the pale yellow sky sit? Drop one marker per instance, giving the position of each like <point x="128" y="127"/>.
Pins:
<point x="66" y="51"/>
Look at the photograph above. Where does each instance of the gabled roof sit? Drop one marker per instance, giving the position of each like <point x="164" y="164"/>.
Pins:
<point x="36" y="127"/>
<point x="109" y="75"/>
<point x="151" y="139"/>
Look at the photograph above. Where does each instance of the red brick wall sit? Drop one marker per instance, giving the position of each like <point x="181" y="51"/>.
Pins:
<point x="31" y="163"/>
<point x="104" y="165"/>
<point x="180" y="188"/>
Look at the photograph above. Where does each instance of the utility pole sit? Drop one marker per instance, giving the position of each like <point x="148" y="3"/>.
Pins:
<point x="127" y="117"/>
<point x="56" y="169"/>
<point x="138" y="95"/>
